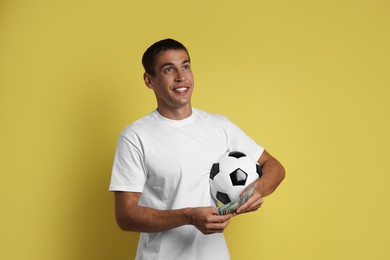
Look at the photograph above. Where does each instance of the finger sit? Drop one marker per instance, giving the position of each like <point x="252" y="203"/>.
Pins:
<point x="252" y="204"/>
<point x="247" y="188"/>
<point x="220" y="218"/>
<point x="218" y="227"/>
<point x="255" y="197"/>
<point x="252" y="207"/>
<point x="255" y="204"/>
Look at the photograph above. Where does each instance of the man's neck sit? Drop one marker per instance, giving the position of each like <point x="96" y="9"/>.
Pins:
<point x="176" y="114"/>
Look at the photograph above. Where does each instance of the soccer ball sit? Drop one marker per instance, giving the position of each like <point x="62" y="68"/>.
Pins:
<point x="231" y="175"/>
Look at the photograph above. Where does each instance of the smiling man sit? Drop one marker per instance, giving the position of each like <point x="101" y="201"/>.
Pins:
<point x="172" y="82"/>
<point x="161" y="169"/>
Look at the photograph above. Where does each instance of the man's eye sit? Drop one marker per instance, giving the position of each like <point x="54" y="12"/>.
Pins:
<point x="186" y="67"/>
<point x="169" y="69"/>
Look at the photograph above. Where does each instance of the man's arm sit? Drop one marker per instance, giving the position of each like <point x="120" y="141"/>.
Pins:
<point x="273" y="175"/>
<point x="132" y="217"/>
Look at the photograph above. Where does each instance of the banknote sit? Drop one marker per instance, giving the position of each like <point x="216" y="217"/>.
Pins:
<point x="247" y="195"/>
<point x="233" y="206"/>
<point x="228" y="208"/>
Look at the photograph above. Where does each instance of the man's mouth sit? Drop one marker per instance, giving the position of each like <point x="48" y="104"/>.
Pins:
<point x="181" y="90"/>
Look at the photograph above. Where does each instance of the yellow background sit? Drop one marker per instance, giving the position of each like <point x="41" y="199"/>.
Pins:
<point x="309" y="80"/>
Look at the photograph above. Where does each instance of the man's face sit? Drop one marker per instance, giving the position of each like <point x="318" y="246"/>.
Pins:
<point x="173" y="81"/>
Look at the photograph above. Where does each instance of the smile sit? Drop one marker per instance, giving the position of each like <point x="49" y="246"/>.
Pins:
<point x="183" y="89"/>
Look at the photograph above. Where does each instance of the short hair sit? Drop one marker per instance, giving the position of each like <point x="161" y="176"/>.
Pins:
<point x="149" y="57"/>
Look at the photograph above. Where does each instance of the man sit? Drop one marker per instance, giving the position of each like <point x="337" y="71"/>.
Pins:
<point x="162" y="164"/>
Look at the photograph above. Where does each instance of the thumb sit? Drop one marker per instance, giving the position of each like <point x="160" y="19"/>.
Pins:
<point x="250" y="186"/>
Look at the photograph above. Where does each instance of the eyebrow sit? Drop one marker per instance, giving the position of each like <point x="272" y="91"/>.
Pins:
<point x="171" y="64"/>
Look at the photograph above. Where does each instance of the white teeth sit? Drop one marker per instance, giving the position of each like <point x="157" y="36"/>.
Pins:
<point x="180" y="89"/>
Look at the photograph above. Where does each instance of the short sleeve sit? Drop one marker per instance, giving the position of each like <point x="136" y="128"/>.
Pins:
<point x="238" y="140"/>
<point x="128" y="172"/>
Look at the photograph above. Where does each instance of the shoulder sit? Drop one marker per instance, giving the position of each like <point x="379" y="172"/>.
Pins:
<point x="139" y="126"/>
<point x="211" y="117"/>
<point x="216" y="121"/>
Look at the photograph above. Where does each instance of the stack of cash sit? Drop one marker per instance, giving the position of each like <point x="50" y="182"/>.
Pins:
<point x="232" y="206"/>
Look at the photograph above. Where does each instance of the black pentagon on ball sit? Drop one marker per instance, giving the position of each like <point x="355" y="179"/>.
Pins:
<point x="214" y="170"/>
<point x="238" y="177"/>
<point x="259" y="170"/>
<point x="237" y="154"/>
<point x="223" y="197"/>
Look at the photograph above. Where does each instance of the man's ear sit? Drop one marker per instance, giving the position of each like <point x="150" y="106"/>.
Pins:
<point x="148" y="80"/>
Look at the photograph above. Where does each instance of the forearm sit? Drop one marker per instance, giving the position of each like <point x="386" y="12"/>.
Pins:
<point x="142" y="219"/>
<point x="132" y="217"/>
<point x="273" y="175"/>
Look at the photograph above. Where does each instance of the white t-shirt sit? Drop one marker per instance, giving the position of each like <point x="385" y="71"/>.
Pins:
<point x="169" y="161"/>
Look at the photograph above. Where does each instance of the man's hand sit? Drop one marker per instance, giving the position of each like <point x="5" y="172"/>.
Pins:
<point x="273" y="174"/>
<point x="207" y="220"/>
<point x="254" y="202"/>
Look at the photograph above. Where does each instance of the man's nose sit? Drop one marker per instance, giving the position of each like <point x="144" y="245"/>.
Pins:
<point x="180" y="76"/>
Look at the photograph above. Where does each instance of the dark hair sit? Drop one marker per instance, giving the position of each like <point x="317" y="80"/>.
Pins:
<point x="148" y="59"/>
